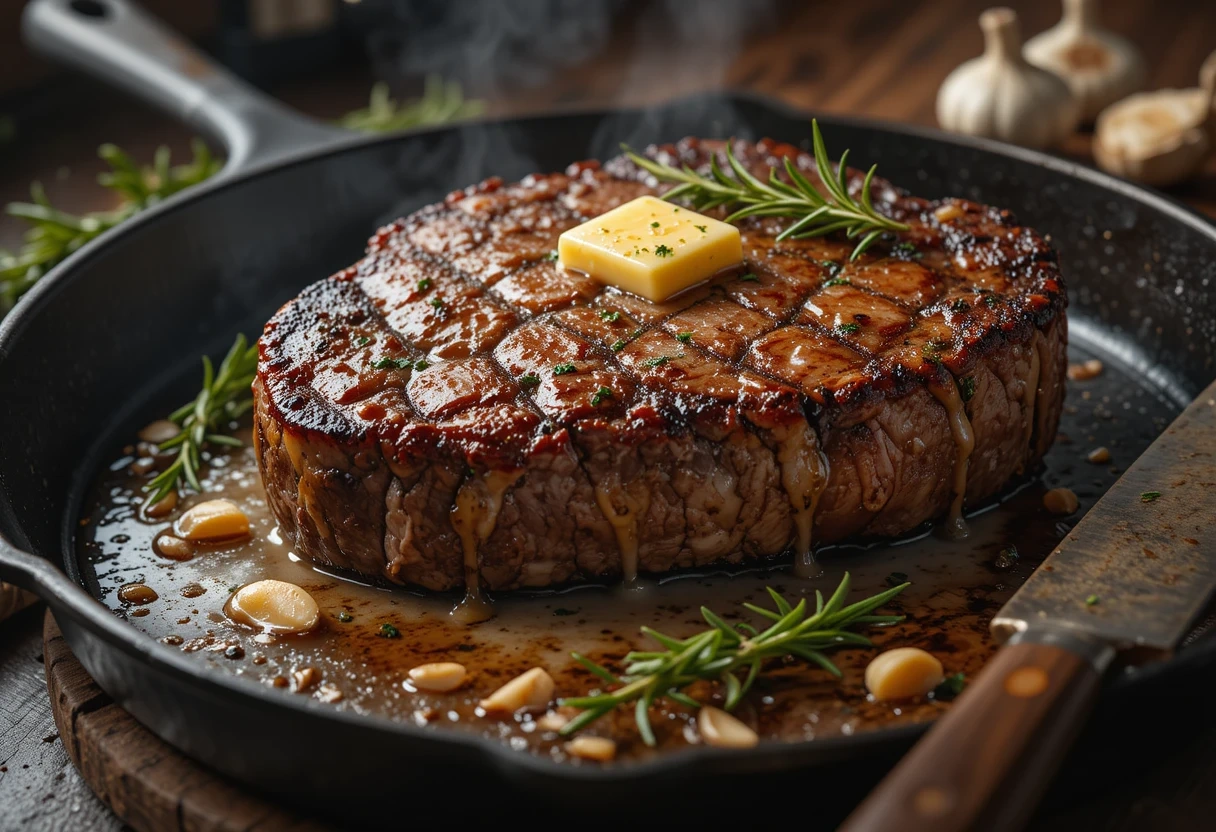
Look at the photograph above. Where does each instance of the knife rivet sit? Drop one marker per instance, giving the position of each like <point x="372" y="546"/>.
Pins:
<point x="1026" y="682"/>
<point x="932" y="802"/>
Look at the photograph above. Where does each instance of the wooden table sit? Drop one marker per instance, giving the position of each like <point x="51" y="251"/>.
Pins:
<point x="874" y="58"/>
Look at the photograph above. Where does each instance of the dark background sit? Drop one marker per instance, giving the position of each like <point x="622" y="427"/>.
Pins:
<point x="875" y="58"/>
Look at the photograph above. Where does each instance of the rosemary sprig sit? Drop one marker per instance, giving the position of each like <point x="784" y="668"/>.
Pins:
<point x="815" y="213"/>
<point x="54" y="234"/>
<point x="441" y="102"/>
<point x="722" y="652"/>
<point x="224" y="398"/>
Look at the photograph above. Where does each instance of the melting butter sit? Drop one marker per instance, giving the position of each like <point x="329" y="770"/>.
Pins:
<point x="474" y="516"/>
<point x="623" y="507"/>
<point x="804" y="475"/>
<point x="964" y="444"/>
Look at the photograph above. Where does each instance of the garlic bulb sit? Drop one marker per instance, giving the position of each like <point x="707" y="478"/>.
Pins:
<point x="1001" y="96"/>
<point x="1099" y="66"/>
<point x="1159" y="138"/>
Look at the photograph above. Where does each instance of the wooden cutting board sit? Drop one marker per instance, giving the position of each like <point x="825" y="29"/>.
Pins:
<point x="146" y="782"/>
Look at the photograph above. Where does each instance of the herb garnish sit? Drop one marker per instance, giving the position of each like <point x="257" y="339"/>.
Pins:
<point x="618" y="345"/>
<point x="701" y="228"/>
<point x="838" y="281"/>
<point x="424" y="284"/>
<point x="719" y="652"/>
<point x="654" y="225"/>
<point x="388" y="631"/>
<point x="663" y="251"/>
<point x="529" y="380"/>
<point x="749" y="278"/>
<point x="909" y="249"/>
<point x="950" y="687"/>
<point x="392" y="364"/>
<point x="817" y="214"/>
<point x="610" y="317"/>
<point x="966" y="388"/>
<point x="1092" y="601"/>
<point x="600" y="395"/>
<point x="1149" y="496"/>
<point x="362" y="341"/>
<point x="563" y="369"/>
<point x="436" y="303"/>
<point x="847" y="329"/>
<point x="553" y="255"/>
<point x="684" y="337"/>
<point x="960" y="305"/>
<point x="345" y="617"/>
<point x="420" y="365"/>
<point x="224" y="398"/>
<point x="659" y="361"/>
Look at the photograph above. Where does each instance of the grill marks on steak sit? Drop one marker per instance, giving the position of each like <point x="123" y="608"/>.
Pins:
<point x="701" y="450"/>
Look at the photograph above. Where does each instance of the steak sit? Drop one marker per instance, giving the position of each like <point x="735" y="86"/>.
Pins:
<point x="456" y="410"/>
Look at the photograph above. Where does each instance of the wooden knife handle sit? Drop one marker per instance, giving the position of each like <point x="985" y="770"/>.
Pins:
<point x="984" y="765"/>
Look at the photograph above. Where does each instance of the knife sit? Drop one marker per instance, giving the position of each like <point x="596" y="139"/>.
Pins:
<point x="1131" y="577"/>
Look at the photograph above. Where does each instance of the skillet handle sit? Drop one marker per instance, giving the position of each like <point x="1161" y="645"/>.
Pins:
<point x="117" y="42"/>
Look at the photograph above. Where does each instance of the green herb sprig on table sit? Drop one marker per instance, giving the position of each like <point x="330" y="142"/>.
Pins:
<point x="55" y="234"/>
<point x="225" y="397"/>
<point x="815" y="213"/>
<point x="722" y="652"/>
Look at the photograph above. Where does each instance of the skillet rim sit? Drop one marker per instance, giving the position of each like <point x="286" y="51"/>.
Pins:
<point x="67" y="595"/>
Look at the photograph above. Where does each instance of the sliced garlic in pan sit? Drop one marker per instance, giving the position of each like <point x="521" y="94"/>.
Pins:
<point x="213" y="521"/>
<point x="274" y="607"/>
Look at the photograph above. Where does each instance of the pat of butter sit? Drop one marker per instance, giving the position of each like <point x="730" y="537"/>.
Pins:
<point x="651" y="248"/>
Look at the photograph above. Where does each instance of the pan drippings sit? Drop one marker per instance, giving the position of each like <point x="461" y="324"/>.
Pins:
<point x="359" y="656"/>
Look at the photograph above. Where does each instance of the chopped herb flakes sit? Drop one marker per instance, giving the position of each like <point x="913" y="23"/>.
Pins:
<point x="529" y="380"/>
<point x="950" y="687"/>
<point x="436" y="303"/>
<point x="362" y="341"/>
<point x="847" y="329"/>
<point x="424" y="284"/>
<point x="897" y="578"/>
<point x="966" y="388"/>
<point x="610" y="317"/>
<point x="830" y="265"/>
<point x="392" y="363"/>
<point x="839" y="281"/>
<point x="907" y="249"/>
<point x="990" y="301"/>
<point x="960" y="306"/>
<point x="600" y="395"/>
<point x="618" y="345"/>
<point x="420" y="365"/>
<point x="1006" y="558"/>
<point x="663" y="251"/>
<point x="1093" y="601"/>
<point x="659" y="361"/>
<point x="345" y="617"/>
<point x="553" y="255"/>
<point x="563" y="369"/>
<point x="749" y="277"/>
<point x="684" y="337"/>
<point x="1149" y="496"/>
<point x="701" y="228"/>
<point x="388" y="631"/>
<point x="654" y="224"/>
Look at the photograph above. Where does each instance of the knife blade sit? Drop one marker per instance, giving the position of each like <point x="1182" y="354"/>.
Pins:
<point x="1133" y="575"/>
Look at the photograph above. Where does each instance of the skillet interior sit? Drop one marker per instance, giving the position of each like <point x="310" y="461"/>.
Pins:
<point x="95" y="349"/>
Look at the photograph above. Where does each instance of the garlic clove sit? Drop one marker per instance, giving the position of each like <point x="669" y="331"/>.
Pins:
<point x="1001" y="96"/>
<point x="213" y="521"/>
<point x="1159" y="138"/>
<point x="903" y="673"/>
<point x="274" y="607"/>
<point x="532" y="690"/>
<point x="1099" y="66"/>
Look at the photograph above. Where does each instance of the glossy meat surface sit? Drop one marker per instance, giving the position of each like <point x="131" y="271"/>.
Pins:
<point x="595" y="434"/>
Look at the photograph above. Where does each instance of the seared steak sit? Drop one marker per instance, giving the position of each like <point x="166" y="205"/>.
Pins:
<point x="456" y="409"/>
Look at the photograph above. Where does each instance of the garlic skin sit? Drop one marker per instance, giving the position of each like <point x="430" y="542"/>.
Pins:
<point x="1000" y="96"/>
<point x="1099" y="66"/>
<point x="1159" y="138"/>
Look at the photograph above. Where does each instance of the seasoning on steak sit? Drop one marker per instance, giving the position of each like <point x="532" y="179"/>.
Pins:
<point x="456" y="410"/>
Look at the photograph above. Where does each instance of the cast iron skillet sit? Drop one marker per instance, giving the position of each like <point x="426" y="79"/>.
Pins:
<point x="102" y="343"/>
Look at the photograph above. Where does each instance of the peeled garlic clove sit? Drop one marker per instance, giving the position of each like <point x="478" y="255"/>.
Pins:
<point x="532" y="691"/>
<point x="213" y="521"/>
<point x="599" y="749"/>
<point x="438" y="677"/>
<point x="1001" y="96"/>
<point x="903" y="673"/>
<point x="1099" y="66"/>
<point x="162" y="430"/>
<point x="720" y="729"/>
<point x="1159" y="138"/>
<point x="273" y="607"/>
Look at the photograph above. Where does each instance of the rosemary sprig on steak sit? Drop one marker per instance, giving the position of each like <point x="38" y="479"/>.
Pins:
<point x="816" y="214"/>
<point x="224" y="398"/>
<point x="723" y="652"/>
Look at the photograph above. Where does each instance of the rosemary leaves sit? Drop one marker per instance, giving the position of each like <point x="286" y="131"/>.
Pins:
<point x="722" y="652"/>
<point x="815" y="214"/>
